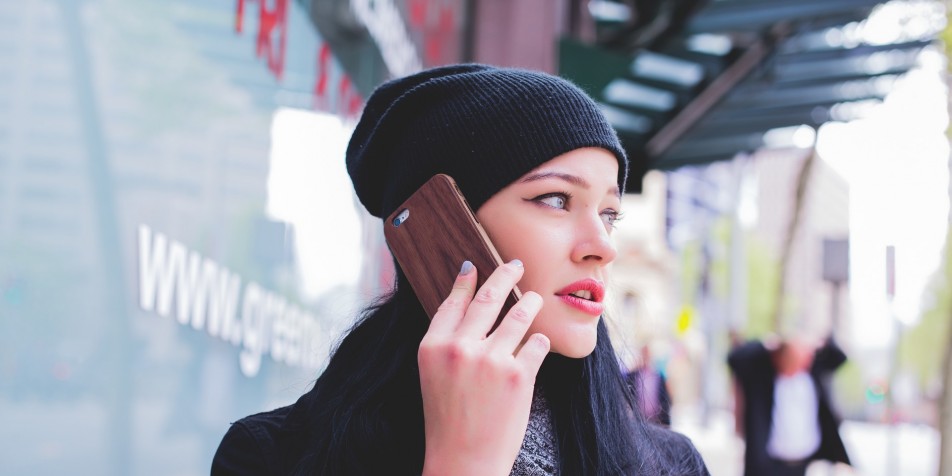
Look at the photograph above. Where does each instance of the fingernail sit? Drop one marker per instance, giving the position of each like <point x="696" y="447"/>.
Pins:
<point x="541" y="341"/>
<point x="466" y="269"/>
<point x="517" y="263"/>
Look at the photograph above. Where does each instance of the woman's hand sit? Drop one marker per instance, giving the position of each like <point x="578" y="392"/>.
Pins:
<point x="477" y="389"/>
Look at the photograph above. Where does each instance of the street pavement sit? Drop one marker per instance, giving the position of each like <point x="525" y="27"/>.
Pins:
<point x="876" y="449"/>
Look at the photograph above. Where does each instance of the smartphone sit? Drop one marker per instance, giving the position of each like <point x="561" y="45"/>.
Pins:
<point x="431" y="234"/>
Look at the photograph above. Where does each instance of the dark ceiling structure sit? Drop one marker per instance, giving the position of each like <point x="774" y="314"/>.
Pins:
<point x="689" y="82"/>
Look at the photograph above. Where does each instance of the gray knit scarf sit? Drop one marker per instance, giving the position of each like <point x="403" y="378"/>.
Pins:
<point x="539" y="455"/>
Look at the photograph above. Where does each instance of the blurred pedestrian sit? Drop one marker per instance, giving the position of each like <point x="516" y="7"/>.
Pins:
<point x="650" y="387"/>
<point x="784" y="405"/>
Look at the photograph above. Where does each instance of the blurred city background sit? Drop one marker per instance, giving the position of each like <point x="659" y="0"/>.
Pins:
<point x="180" y="245"/>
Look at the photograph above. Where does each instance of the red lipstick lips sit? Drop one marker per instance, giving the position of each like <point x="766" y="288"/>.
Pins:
<point x="585" y="295"/>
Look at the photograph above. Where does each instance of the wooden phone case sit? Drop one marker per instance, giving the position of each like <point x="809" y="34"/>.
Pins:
<point x="440" y="232"/>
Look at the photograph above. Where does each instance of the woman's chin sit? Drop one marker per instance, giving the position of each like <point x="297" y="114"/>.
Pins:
<point x="577" y="349"/>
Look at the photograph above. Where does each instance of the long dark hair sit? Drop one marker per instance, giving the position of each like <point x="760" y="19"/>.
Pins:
<point x="366" y="414"/>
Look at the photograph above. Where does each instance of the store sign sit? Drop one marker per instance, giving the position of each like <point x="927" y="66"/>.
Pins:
<point x="333" y="90"/>
<point x="209" y="297"/>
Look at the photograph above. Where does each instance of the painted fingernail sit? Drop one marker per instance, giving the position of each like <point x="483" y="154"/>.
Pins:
<point x="517" y="263"/>
<point x="466" y="269"/>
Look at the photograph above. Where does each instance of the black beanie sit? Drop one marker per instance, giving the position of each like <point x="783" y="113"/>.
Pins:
<point x="482" y="125"/>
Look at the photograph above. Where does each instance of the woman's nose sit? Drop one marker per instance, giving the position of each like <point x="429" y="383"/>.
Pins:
<point x="592" y="242"/>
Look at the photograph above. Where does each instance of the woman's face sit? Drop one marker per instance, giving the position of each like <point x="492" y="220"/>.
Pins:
<point x="558" y="220"/>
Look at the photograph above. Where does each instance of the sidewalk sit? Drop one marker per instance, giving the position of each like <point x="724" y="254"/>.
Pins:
<point x="722" y="449"/>
<point x="875" y="449"/>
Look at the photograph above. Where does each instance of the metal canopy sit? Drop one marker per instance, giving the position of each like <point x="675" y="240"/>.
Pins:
<point x="691" y="81"/>
<point x="754" y="15"/>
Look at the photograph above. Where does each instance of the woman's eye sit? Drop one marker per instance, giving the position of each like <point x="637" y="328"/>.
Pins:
<point x="554" y="200"/>
<point x="611" y="217"/>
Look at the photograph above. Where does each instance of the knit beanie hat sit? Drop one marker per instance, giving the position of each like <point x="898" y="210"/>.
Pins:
<point x="482" y="125"/>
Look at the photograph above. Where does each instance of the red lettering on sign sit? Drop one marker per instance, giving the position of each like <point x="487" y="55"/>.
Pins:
<point x="323" y="73"/>
<point x="271" y="41"/>
<point x="271" y="45"/>
<point x="355" y="105"/>
<point x="239" y="16"/>
<point x="323" y="70"/>
<point x="417" y="12"/>
<point x="349" y="102"/>
<point x="434" y="20"/>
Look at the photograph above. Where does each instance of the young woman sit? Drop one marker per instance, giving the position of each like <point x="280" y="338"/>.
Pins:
<point x="542" y="394"/>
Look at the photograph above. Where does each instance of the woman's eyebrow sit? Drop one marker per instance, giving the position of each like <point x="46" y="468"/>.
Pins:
<point x="572" y="179"/>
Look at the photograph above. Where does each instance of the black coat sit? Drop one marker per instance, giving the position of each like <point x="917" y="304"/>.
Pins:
<point x="755" y="372"/>
<point x="276" y="442"/>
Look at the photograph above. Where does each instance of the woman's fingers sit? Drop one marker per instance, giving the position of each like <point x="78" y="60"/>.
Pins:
<point x="451" y="311"/>
<point x="489" y="299"/>
<point x="533" y="352"/>
<point x="512" y="329"/>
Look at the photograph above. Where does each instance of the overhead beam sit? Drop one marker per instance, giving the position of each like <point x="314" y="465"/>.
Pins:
<point x="715" y="91"/>
<point x="734" y="15"/>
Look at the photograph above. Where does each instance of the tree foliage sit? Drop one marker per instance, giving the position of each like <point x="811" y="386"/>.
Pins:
<point x="923" y="344"/>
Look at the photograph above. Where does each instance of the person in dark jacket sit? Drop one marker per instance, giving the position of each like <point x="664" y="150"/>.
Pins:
<point x="541" y="394"/>
<point x="784" y="404"/>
